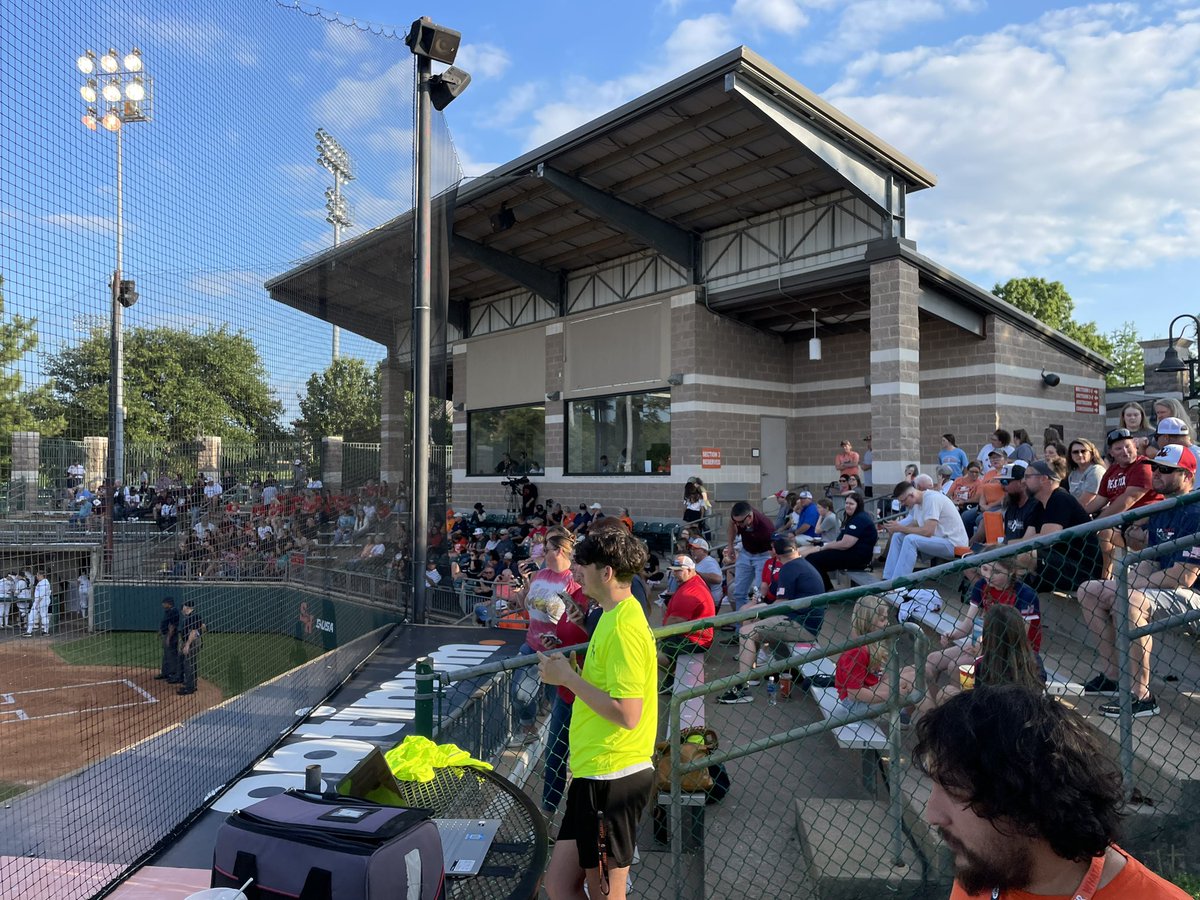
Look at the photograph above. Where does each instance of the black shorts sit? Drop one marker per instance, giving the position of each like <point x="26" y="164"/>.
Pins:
<point x="622" y="802"/>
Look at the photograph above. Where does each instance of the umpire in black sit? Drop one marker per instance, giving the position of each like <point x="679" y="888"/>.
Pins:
<point x="168" y="633"/>
<point x="191" y="637"/>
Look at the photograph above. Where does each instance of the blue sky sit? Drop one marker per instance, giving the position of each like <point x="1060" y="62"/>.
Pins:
<point x="1064" y="136"/>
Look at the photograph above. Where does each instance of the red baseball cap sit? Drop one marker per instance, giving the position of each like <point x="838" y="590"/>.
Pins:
<point x="1176" y="456"/>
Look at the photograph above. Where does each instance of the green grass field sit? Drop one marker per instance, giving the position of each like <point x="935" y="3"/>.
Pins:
<point x="8" y="790"/>
<point x="233" y="662"/>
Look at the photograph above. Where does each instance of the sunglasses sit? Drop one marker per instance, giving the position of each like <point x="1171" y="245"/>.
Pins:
<point x="1005" y="482"/>
<point x="1163" y="470"/>
<point x="1081" y="451"/>
<point x="1119" y="434"/>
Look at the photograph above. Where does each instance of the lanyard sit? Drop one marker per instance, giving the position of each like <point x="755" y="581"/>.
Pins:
<point x="1087" y="887"/>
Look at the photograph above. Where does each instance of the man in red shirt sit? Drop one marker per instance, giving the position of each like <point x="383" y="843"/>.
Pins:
<point x="1126" y="485"/>
<point x="1028" y="798"/>
<point x="692" y="600"/>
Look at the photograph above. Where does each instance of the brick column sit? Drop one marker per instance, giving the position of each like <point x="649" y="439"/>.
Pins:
<point x="95" y="460"/>
<point x="26" y="458"/>
<point x="393" y="439"/>
<point x="556" y="410"/>
<point x="895" y="371"/>
<point x="331" y="463"/>
<point x="208" y="456"/>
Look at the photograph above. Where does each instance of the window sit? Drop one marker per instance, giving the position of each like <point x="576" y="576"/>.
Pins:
<point x="629" y="433"/>
<point x="508" y="441"/>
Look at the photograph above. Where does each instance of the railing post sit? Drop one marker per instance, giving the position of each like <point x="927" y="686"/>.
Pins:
<point x="423" y="723"/>
<point x="896" y="804"/>
<point x="1124" y="675"/>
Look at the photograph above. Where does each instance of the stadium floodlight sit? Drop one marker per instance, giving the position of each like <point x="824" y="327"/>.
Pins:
<point x="127" y="96"/>
<point x="333" y="156"/>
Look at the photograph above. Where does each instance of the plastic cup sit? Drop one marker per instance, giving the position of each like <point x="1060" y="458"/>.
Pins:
<point x="966" y="676"/>
<point x="217" y="894"/>
<point x="785" y="685"/>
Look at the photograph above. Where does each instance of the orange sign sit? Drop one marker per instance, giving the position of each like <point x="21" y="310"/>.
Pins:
<point x="710" y="457"/>
<point x="1087" y="399"/>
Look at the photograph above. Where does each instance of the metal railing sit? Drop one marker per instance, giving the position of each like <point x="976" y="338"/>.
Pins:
<point x="1068" y="666"/>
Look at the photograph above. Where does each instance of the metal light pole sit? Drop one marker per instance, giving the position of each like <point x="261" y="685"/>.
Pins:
<point x="333" y="156"/>
<point x="428" y="42"/>
<point x="1172" y="364"/>
<point x="124" y="91"/>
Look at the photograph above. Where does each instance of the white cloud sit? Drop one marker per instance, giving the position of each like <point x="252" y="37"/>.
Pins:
<point x="227" y="284"/>
<point x="691" y="43"/>
<point x="356" y="101"/>
<point x="1067" y="141"/>
<point x="482" y="60"/>
<point x="784" y="16"/>
<point x="77" y="222"/>
<point x="865" y="23"/>
<point x="518" y="101"/>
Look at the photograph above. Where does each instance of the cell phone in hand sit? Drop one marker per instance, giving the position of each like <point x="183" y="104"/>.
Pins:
<point x="551" y="640"/>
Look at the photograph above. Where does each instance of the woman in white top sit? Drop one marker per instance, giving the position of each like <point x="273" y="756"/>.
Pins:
<point x="1084" y="470"/>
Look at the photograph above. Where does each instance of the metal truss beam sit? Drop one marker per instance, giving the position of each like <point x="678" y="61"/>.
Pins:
<point x="546" y="284"/>
<point x="675" y="243"/>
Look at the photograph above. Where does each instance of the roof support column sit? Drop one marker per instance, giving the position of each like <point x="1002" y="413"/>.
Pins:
<point x="894" y="371"/>
<point x="394" y="376"/>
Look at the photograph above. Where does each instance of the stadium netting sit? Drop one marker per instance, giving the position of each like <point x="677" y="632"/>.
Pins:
<point x="160" y="167"/>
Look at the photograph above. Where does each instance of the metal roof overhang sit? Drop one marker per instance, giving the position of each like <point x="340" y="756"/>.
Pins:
<point x="733" y="139"/>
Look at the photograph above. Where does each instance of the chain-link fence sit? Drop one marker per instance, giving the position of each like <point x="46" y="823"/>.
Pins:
<point x="786" y="752"/>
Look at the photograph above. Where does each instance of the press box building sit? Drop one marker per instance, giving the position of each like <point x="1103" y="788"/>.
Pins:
<point x="633" y="303"/>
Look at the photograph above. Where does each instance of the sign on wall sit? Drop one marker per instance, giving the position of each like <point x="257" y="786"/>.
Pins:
<point x="710" y="457"/>
<point x="1087" y="399"/>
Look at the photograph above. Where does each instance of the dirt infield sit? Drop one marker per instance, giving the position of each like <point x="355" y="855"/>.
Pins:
<point x="55" y="717"/>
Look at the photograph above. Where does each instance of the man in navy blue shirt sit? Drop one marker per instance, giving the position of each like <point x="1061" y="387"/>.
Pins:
<point x="1165" y="585"/>
<point x="796" y="580"/>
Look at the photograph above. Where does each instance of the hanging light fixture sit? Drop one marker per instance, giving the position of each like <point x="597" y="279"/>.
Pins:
<point x="814" y="344"/>
<point x="136" y="90"/>
<point x="88" y="90"/>
<point x="112" y="121"/>
<point x="133" y="60"/>
<point x="110" y="61"/>
<point x="89" y="119"/>
<point x="87" y="62"/>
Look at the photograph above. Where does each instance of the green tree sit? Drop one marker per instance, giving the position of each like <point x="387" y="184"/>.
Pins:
<point x="1127" y="356"/>
<point x="18" y="336"/>
<point x="344" y="399"/>
<point x="178" y="385"/>
<point x="1049" y="302"/>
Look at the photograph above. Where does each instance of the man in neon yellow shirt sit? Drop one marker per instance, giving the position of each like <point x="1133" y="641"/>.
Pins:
<point x="612" y="728"/>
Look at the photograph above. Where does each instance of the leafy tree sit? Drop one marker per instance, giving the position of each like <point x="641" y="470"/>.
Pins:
<point x="344" y="399"/>
<point x="178" y="385"/>
<point x="1049" y="302"/>
<point x="18" y="336"/>
<point x="1127" y="356"/>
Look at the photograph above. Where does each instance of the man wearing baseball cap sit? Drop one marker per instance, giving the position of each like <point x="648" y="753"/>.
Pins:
<point x="1164" y="585"/>
<point x="707" y="567"/>
<point x="682" y="655"/>
<point x="1172" y="431"/>
<point x="805" y="516"/>
<point x="1125" y="485"/>
<point x="1063" y="566"/>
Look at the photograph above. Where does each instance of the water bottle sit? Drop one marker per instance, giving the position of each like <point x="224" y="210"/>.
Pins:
<point x="772" y="690"/>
